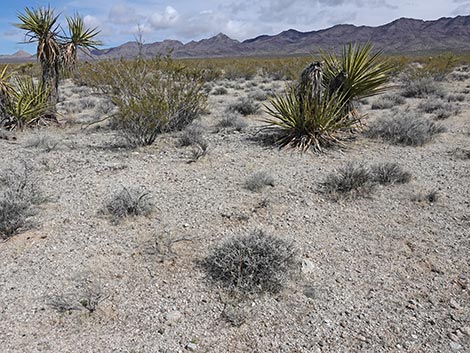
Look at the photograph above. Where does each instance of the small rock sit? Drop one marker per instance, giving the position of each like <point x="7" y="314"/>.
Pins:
<point x="465" y="330"/>
<point x="191" y="346"/>
<point x="455" y="346"/>
<point x="453" y="337"/>
<point x="307" y="266"/>
<point x="453" y="304"/>
<point x="173" y="316"/>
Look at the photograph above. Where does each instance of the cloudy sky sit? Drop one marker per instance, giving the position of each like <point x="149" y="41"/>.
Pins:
<point x="121" y="20"/>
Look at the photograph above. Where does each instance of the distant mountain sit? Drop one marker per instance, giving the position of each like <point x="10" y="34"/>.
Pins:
<point x="402" y="36"/>
<point x="19" y="56"/>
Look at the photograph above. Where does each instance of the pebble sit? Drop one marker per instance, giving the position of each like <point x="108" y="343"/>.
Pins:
<point x="453" y="304"/>
<point x="191" y="346"/>
<point x="465" y="330"/>
<point x="455" y="346"/>
<point x="453" y="337"/>
<point x="173" y="316"/>
<point x="307" y="266"/>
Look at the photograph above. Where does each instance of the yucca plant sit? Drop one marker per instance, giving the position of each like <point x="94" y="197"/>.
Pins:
<point x="55" y="51"/>
<point x="308" y="123"/>
<point x="357" y="73"/>
<point x="28" y="104"/>
<point x="317" y="110"/>
<point x="6" y="91"/>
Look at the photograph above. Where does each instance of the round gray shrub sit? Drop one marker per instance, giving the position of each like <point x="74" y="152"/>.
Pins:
<point x="407" y="129"/>
<point x="353" y="178"/>
<point x="129" y="202"/>
<point x="251" y="264"/>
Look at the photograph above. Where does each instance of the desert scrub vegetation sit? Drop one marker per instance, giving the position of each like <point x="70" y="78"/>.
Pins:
<point x="231" y="121"/>
<point x="19" y="192"/>
<point x="316" y="111"/>
<point x="404" y="128"/>
<point x="259" y="180"/>
<point x="357" y="179"/>
<point x="152" y="96"/>
<point x="128" y="202"/>
<point x="252" y="264"/>
<point x="388" y="101"/>
<point x="244" y="106"/>
<point x="421" y="87"/>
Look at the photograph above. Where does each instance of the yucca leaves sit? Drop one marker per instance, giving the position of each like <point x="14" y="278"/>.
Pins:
<point x="312" y="118"/>
<point x="308" y="123"/>
<point x="28" y="104"/>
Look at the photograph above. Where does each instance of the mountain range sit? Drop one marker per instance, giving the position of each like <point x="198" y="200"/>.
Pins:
<point x="402" y="36"/>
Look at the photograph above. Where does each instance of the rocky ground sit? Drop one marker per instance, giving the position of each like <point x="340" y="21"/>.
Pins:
<point x="384" y="273"/>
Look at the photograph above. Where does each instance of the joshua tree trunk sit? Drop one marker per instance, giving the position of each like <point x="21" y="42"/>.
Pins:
<point x="50" y="78"/>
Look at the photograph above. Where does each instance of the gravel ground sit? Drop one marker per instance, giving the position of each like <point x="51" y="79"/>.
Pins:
<point x="383" y="273"/>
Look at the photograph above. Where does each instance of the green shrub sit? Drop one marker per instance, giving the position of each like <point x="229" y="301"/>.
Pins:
<point x="153" y="96"/>
<point x="252" y="264"/>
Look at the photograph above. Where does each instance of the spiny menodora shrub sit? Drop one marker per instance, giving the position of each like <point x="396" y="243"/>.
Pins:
<point x="153" y="96"/>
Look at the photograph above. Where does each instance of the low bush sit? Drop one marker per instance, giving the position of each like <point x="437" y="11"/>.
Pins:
<point x="422" y="87"/>
<point x="406" y="129"/>
<point x="351" y="180"/>
<point x="389" y="173"/>
<point x="129" y="202"/>
<point x="244" y="106"/>
<point x="192" y="135"/>
<point x="252" y="264"/>
<point x="258" y="181"/>
<point x="388" y="101"/>
<point x="231" y="121"/>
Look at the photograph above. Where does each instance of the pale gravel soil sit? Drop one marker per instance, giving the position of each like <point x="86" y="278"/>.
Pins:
<point x="381" y="274"/>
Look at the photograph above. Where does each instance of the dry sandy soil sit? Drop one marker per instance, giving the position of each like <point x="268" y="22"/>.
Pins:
<point x="383" y="273"/>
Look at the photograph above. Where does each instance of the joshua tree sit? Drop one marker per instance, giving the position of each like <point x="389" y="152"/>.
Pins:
<point x="55" y="51"/>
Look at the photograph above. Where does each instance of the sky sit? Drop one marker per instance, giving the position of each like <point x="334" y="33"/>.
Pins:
<point x="122" y="21"/>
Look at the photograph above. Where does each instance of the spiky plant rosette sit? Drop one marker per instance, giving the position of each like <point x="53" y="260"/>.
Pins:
<point x="308" y="123"/>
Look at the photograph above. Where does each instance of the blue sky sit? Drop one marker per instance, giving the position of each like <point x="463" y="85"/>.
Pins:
<point x="120" y="20"/>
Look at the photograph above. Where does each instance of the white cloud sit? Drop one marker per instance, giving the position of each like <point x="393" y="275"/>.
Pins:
<point x="123" y="14"/>
<point x="167" y="19"/>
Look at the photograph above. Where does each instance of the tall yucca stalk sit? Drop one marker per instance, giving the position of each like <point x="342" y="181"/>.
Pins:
<point x="54" y="50"/>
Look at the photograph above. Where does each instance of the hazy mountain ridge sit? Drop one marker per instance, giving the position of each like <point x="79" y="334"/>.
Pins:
<point x="402" y="36"/>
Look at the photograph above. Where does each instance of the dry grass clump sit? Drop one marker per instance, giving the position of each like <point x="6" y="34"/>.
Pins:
<point x="192" y="135"/>
<point x="388" y="101"/>
<point x="18" y="193"/>
<point x="252" y="264"/>
<point x="218" y="91"/>
<point x="129" y="202"/>
<point x="406" y="129"/>
<point x="258" y="181"/>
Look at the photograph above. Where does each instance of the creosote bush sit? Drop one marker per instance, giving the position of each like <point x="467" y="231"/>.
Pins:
<point x="153" y="96"/>
<point x="421" y="87"/>
<point x="129" y="202"/>
<point x="406" y="129"/>
<point x="252" y="264"/>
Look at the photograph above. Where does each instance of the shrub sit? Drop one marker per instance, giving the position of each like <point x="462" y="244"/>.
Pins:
<point x="389" y="173"/>
<point x="351" y="180"/>
<point x="129" y="202"/>
<point x="200" y="150"/>
<point x="455" y="98"/>
<point x="18" y="193"/>
<point x="406" y="129"/>
<point x="232" y="120"/>
<point x="388" y="101"/>
<point x="192" y="135"/>
<point x="244" y="106"/>
<point x="421" y="88"/>
<point x="153" y="96"/>
<point x="258" y="181"/>
<point x="252" y="264"/>
<point x="218" y="91"/>
<point x="258" y="95"/>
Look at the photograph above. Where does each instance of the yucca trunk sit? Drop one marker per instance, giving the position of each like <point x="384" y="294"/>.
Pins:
<point x="50" y="78"/>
